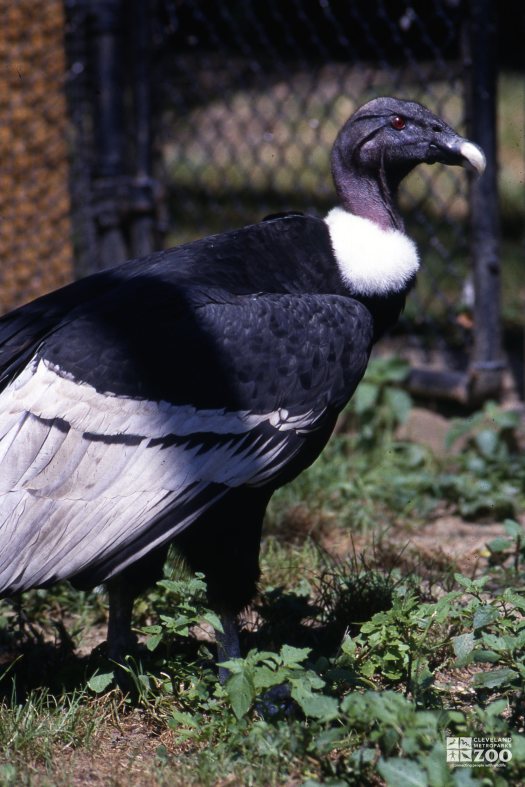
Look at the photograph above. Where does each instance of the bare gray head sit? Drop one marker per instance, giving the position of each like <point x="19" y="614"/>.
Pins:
<point x="381" y="143"/>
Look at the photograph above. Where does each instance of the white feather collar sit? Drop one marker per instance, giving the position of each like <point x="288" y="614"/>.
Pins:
<point x="372" y="261"/>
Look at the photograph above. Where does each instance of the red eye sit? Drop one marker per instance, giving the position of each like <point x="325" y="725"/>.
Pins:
<point x="398" y="122"/>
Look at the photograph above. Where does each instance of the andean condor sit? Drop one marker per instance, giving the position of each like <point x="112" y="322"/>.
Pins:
<point x="165" y="400"/>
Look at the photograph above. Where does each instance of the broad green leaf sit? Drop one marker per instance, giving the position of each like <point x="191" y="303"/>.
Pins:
<point x="316" y="706"/>
<point x="329" y="740"/>
<point x="264" y="677"/>
<point x="456" y="718"/>
<point x="496" y="708"/>
<point x="513" y="528"/>
<point x="181" y="718"/>
<point x="484" y="656"/>
<point x="292" y="656"/>
<point x="459" y="428"/>
<point x="151" y="629"/>
<point x="485" y="615"/>
<point x="153" y="641"/>
<point x="514" y="598"/>
<point x="332" y="783"/>
<point x="436" y="766"/>
<point x="241" y="692"/>
<point x="487" y="442"/>
<point x="365" y="397"/>
<point x="348" y="646"/>
<point x="415" y="456"/>
<point x="168" y="584"/>
<point x="464" y="777"/>
<point x="145" y="681"/>
<point x="492" y="642"/>
<point x="463" y="645"/>
<point x="465" y="582"/>
<point x="235" y="666"/>
<point x="388" y="370"/>
<point x="363" y="755"/>
<point x="8" y="775"/>
<point x="308" y="678"/>
<point x="471" y="585"/>
<point x="500" y="544"/>
<point x="398" y="772"/>
<point x="368" y="668"/>
<point x="399" y="402"/>
<point x="505" y="419"/>
<point x="99" y="683"/>
<point x="518" y="748"/>
<point x="263" y="657"/>
<point x="214" y="621"/>
<point x="494" y="678"/>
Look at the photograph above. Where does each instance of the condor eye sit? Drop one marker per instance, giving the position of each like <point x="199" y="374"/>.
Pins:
<point x="398" y="122"/>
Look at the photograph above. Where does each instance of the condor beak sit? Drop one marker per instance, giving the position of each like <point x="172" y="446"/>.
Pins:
<point x="473" y="157"/>
<point x="451" y="149"/>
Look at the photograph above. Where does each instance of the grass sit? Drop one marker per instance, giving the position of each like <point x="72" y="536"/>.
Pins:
<point x="36" y="734"/>
<point x="362" y="652"/>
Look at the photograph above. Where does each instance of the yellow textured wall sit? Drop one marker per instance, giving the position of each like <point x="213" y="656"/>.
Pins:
<point x="35" y="230"/>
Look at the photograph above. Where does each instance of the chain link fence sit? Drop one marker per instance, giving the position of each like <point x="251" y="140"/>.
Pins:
<point x="253" y="100"/>
<point x="189" y="117"/>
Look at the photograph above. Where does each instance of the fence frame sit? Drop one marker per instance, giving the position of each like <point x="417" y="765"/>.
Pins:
<point x="482" y="379"/>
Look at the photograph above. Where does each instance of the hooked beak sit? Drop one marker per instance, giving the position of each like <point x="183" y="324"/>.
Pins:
<point x="451" y="149"/>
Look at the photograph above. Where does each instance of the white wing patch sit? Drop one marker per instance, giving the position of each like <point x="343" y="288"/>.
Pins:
<point x="372" y="261"/>
<point x="46" y="391"/>
<point x="82" y="474"/>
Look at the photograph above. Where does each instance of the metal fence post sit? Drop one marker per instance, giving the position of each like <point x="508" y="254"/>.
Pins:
<point x="108" y="182"/>
<point x="487" y="359"/>
<point x="143" y="224"/>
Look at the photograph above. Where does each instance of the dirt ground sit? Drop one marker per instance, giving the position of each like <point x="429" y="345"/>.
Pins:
<point x="444" y="538"/>
<point x="449" y="536"/>
<point x="125" y="755"/>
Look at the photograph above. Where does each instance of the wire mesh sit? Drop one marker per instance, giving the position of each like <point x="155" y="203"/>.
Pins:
<point x="246" y="100"/>
<point x="251" y="99"/>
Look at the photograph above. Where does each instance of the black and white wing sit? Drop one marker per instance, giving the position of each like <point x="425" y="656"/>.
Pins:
<point x="121" y="431"/>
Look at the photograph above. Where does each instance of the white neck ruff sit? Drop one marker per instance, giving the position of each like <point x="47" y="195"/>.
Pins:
<point x="372" y="261"/>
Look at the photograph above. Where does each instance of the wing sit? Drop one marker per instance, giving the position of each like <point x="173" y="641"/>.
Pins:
<point x="94" y="474"/>
<point x="22" y="329"/>
<point x="268" y="257"/>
